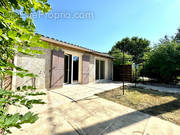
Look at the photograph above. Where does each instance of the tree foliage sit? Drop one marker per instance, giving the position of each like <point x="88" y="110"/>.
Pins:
<point x="163" y="62"/>
<point x="17" y="35"/>
<point x="174" y="38"/>
<point x="166" y="39"/>
<point x="136" y="47"/>
<point x="118" y="57"/>
<point x="177" y="36"/>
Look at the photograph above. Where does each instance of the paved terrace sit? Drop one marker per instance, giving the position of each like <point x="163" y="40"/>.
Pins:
<point x="74" y="110"/>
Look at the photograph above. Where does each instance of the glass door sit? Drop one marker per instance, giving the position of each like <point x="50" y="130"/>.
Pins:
<point x="75" y="69"/>
<point x="100" y="70"/>
<point x="67" y="68"/>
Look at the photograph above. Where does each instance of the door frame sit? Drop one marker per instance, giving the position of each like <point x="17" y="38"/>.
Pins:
<point x="72" y="82"/>
<point x="78" y="70"/>
<point x="99" y="80"/>
<point x="68" y="74"/>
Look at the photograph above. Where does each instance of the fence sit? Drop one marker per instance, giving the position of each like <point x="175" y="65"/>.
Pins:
<point x="123" y="72"/>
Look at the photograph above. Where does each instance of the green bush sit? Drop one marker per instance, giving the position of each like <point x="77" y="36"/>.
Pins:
<point x="17" y="36"/>
<point x="163" y="62"/>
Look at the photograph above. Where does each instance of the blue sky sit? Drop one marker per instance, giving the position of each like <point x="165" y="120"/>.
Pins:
<point x="111" y="21"/>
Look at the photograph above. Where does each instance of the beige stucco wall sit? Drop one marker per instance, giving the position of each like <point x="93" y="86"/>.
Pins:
<point x="107" y="70"/>
<point x="75" y="53"/>
<point x="92" y="69"/>
<point x="110" y="69"/>
<point x="41" y="65"/>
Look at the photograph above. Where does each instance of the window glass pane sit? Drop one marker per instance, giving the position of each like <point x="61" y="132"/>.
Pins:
<point x="75" y="68"/>
<point x="66" y="68"/>
<point x="97" y="69"/>
<point x="102" y="70"/>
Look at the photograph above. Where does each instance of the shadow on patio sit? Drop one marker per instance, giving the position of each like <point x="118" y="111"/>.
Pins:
<point x="121" y="121"/>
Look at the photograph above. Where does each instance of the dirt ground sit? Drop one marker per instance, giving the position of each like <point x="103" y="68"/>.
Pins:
<point x="163" y="105"/>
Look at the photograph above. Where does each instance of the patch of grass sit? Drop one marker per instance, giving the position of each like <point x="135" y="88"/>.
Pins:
<point x="162" y="105"/>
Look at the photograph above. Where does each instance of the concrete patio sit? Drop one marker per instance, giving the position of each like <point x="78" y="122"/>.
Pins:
<point x="69" y="93"/>
<point x="73" y="110"/>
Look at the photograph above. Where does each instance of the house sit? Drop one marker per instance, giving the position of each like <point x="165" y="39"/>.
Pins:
<point x="71" y="64"/>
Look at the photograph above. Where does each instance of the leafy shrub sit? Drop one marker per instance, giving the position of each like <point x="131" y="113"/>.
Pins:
<point x="17" y="36"/>
<point x="163" y="62"/>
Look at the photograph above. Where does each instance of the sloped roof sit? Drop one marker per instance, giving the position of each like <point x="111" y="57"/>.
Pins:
<point x="74" y="46"/>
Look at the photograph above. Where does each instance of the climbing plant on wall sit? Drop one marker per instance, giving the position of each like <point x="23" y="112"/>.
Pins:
<point x="17" y="35"/>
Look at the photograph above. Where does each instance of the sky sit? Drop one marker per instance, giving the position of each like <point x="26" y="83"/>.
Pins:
<point x="99" y="24"/>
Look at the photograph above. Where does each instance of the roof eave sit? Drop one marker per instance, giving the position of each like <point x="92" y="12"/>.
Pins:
<point x="65" y="44"/>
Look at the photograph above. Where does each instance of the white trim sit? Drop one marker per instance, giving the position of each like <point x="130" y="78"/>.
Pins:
<point x="72" y="81"/>
<point x="68" y="66"/>
<point x="100" y="69"/>
<point x="94" y="69"/>
<point x="66" y="54"/>
<point x="78" y="70"/>
<point x="72" y="69"/>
